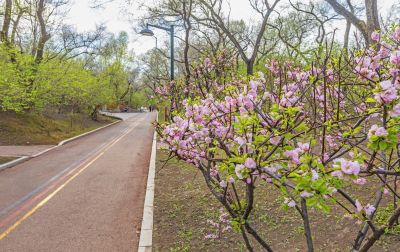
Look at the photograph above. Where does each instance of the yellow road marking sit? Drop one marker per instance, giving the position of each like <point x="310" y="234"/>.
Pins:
<point x="45" y="200"/>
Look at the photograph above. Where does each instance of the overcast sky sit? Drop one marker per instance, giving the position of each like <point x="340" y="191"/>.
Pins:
<point x="114" y="16"/>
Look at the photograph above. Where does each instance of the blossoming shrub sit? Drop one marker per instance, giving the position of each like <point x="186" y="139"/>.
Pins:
<point x="306" y="130"/>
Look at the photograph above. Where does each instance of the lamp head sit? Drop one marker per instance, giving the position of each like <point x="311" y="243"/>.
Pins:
<point x="147" y="32"/>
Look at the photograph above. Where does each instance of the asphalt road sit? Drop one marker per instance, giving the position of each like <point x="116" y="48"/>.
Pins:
<point x="84" y="196"/>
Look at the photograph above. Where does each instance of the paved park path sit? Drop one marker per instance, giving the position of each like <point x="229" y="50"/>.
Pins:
<point x="84" y="196"/>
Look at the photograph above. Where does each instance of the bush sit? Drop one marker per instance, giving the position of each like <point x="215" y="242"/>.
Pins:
<point x="307" y="130"/>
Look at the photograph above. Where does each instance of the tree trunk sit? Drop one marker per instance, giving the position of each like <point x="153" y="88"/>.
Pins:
<point x="346" y="36"/>
<point x="15" y="26"/>
<point x="250" y="67"/>
<point x="6" y="21"/>
<point x="44" y="36"/>
<point x="351" y="17"/>
<point x="94" y="113"/>
<point x="371" y="12"/>
<point x="188" y="27"/>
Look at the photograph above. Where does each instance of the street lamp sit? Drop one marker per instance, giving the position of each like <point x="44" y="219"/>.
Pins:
<point x="147" y="32"/>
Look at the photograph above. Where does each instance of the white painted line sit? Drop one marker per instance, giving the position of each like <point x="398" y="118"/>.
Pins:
<point x="146" y="231"/>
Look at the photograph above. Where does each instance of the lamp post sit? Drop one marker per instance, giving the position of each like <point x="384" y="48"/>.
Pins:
<point x="147" y="32"/>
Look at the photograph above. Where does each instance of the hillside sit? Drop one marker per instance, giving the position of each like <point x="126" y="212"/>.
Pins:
<point x="35" y="129"/>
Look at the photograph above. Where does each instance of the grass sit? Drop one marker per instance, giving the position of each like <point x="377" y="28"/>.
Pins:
<point x="35" y="129"/>
<point x="183" y="204"/>
<point x="4" y="160"/>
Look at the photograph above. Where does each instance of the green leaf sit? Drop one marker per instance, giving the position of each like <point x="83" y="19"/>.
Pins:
<point x="383" y="145"/>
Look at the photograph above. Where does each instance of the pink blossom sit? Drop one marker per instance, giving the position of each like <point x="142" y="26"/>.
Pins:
<point x="375" y="130"/>
<point x="231" y="180"/>
<point x="250" y="163"/>
<point x="395" y="58"/>
<point x="240" y="141"/>
<point x="305" y="194"/>
<point x="315" y="175"/>
<point x="247" y="103"/>
<point x="375" y="36"/>
<point x="211" y="236"/>
<point x="369" y="209"/>
<point x="293" y="155"/>
<point x="385" y="191"/>
<point x="338" y="174"/>
<point x="331" y="141"/>
<point x="253" y="85"/>
<point x="351" y="167"/>
<point x="214" y="172"/>
<point x="273" y="66"/>
<point x="388" y="94"/>
<point x="385" y="85"/>
<point x="348" y="167"/>
<point x="275" y="140"/>
<point x="384" y="51"/>
<point x="381" y="132"/>
<point x="207" y="62"/>
<point x="238" y="171"/>
<point x="358" y="206"/>
<point x="325" y="157"/>
<point x="290" y="202"/>
<point x="396" y="111"/>
<point x="396" y="34"/>
<point x="265" y="177"/>
<point x="270" y="169"/>
<point x="248" y="180"/>
<point x="360" y="181"/>
<point x="304" y="146"/>
<point x="223" y="184"/>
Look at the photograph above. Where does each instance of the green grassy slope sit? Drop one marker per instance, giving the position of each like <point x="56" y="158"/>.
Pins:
<point x="35" y="129"/>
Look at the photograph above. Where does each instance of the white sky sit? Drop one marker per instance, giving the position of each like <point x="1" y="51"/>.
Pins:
<point x="115" y="18"/>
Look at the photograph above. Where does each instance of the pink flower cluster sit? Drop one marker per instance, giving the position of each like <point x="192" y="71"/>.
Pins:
<point x="222" y="226"/>
<point x="375" y="130"/>
<point x="369" y="209"/>
<point x="388" y="92"/>
<point x="293" y="155"/>
<point x="346" y="167"/>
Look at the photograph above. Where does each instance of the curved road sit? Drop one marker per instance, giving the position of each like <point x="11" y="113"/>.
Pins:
<point x="84" y="196"/>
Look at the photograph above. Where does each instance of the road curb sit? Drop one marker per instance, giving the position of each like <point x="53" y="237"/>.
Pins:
<point x="84" y="134"/>
<point x="146" y="231"/>
<point x="14" y="162"/>
<point x="26" y="158"/>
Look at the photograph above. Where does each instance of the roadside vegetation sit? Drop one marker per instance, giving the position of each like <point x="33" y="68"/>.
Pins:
<point x="4" y="160"/>
<point x="49" y="70"/>
<point x="50" y="129"/>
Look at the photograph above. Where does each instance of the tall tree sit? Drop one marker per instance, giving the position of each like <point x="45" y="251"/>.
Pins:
<point x="213" y="11"/>
<point x="44" y="36"/>
<point x="365" y="27"/>
<point x="6" y="21"/>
